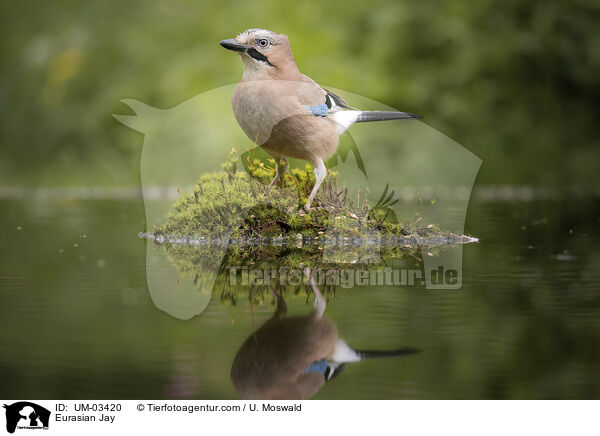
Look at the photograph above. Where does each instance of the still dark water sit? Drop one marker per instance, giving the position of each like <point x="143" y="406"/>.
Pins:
<point x="76" y="319"/>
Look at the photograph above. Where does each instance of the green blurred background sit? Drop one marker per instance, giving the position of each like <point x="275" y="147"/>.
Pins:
<point x="515" y="82"/>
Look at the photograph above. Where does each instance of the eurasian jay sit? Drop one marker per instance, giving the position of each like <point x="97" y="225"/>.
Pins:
<point x="286" y="112"/>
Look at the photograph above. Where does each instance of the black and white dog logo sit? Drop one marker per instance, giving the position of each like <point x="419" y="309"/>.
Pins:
<point x="26" y="415"/>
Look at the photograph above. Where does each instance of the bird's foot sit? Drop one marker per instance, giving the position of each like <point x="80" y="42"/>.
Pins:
<point x="308" y="208"/>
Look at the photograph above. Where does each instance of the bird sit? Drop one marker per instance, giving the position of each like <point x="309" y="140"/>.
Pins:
<point x="292" y="358"/>
<point x="286" y="112"/>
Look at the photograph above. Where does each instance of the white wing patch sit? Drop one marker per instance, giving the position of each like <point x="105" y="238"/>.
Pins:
<point x="343" y="353"/>
<point x="344" y="119"/>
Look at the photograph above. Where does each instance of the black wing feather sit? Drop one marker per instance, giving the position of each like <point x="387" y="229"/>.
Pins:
<point x="331" y="99"/>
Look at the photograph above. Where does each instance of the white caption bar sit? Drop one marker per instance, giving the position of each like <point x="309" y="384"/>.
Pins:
<point x="286" y="417"/>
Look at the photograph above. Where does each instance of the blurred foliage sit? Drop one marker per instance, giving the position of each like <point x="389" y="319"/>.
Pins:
<point x="513" y="81"/>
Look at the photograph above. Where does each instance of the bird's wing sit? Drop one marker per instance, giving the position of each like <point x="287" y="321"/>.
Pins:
<point x="333" y="100"/>
<point x="332" y="103"/>
<point x="316" y="100"/>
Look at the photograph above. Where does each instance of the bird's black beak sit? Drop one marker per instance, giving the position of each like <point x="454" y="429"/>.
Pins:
<point x="231" y="44"/>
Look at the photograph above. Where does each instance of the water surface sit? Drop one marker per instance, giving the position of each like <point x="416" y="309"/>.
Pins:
<point x="77" y="320"/>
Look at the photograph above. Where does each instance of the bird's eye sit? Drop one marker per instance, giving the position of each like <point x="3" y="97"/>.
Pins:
<point x="262" y="43"/>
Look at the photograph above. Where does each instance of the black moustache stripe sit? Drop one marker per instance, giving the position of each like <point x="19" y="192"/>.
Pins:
<point x="258" y="56"/>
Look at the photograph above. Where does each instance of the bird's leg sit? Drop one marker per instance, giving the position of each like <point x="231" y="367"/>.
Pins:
<point x="319" y="300"/>
<point x="276" y="178"/>
<point x="280" y="306"/>
<point x="283" y="170"/>
<point x="320" y="173"/>
<point x="279" y="172"/>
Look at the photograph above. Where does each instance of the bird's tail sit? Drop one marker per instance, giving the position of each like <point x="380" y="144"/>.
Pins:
<point x="370" y="354"/>
<point x="368" y="116"/>
<point x="342" y="352"/>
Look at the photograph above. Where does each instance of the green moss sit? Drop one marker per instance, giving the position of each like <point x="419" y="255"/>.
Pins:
<point x="237" y="203"/>
<point x="233" y="210"/>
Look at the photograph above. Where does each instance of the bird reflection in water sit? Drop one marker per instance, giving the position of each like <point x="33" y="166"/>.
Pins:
<point x="292" y="358"/>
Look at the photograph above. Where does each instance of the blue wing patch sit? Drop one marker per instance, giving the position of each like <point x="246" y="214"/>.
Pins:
<point x="319" y="366"/>
<point x="319" y="110"/>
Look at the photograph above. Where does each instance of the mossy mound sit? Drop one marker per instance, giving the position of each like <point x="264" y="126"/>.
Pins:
<point x="234" y="207"/>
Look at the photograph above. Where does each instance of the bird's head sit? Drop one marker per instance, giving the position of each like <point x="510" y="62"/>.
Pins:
<point x="263" y="52"/>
